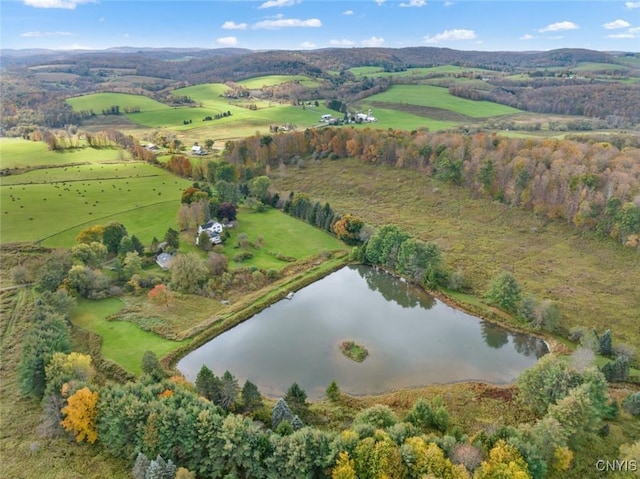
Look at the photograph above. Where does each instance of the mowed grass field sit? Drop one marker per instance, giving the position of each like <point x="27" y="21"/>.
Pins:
<point x="437" y="97"/>
<point x="122" y="342"/>
<point x="281" y="234"/>
<point x="596" y="283"/>
<point x="53" y="205"/>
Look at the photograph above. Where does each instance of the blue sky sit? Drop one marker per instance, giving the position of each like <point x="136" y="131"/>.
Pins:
<point x="302" y="24"/>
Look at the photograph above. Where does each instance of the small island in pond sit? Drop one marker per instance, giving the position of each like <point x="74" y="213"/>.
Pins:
<point x="354" y="351"/>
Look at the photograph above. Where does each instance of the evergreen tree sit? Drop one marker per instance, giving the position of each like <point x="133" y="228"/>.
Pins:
<point x="281" y="412"/>
<point x="251" y="398"/>
<point x="152" y="367"/>
<point x="504" y="292"/>
<point x="207" y="384"/>
<point x="296" y="423"/>
<point x="229" y="390"/>
<point x="333" y="391"/>
<point x="606" y="343"/>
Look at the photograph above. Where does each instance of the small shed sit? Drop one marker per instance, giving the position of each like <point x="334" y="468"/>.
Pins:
<point x="164" y="260"/>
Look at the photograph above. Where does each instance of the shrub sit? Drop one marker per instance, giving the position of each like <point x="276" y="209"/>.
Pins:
<point x="631" y="404"/>
<point x="240" y="257"/>
<point x="379" y="416"/>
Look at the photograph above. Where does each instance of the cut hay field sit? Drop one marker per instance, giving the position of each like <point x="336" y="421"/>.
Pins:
<point x="53" y="205"/>
<point x="596" y="283"/>
<point x="436" y="97"/>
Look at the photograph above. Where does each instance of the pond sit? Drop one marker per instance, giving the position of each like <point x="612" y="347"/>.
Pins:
<point x="412" y="339"/>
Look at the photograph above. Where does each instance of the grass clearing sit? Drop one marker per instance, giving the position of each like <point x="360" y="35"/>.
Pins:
<point x="272" y="80"/>
<point x="103" y="101"/>
<point x="282" y="234"/>
<point x="123" y="342"/>
<point x="594" y="281"/>
<point x="437" y="97"/>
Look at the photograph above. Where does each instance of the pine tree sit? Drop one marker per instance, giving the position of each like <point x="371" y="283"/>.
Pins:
<point x="281" y="412"/>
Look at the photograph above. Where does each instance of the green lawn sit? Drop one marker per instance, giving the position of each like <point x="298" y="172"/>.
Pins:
<point x="436" y="97"/>
<point x="281" y="234"/>
<point x="55" y="204"/>
<point x="122" y="342"/>
<point x="19" y="153"/>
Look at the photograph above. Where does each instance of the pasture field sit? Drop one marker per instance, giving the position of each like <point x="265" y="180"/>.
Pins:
<point x="281" y="234"/>
<point x="436" y="97"/>
<point x="272" y="80"/>
<point x="403" y="120"/>
<point x="123" y="342"/>
<point x="360" y="72"/>
<point x="102" y="101"/>
<point x="53" y="205"/>
<point x="593" y="281"/>
<point x="19" y="153"/>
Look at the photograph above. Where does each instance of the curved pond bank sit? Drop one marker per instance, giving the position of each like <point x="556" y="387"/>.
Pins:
<point x="412" y="339"/>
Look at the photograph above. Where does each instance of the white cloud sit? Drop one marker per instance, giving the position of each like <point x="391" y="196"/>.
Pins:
<point x="286" y="23"/>
<point x="45" y="34"/>
<point x="279" y="3"/>
<point x="448" y="4"/>
<point x="348" y="12"/>
<point x="379" y="2"/>
<point x="227" y="41"/>
<point x="372" y="42"/>
<point x="449" y="35"/>
<point x="307" y="45"/>
<point x="559" y="27"/>
<point x="527" y="37"/>
<point x="66" y="4"/>
<point x="616" y="24"/>
<point x="341" y="43"/>
<point x="621" y="35"/>
<point x="414" y="3"/>
<point x="229" y="25"/>
<point x="634" y="30"/>
<point x="126" y="35"/>
<point x="631" y="5"/>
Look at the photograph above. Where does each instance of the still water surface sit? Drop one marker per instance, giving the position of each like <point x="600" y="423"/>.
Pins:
<point x="412" y="339"/>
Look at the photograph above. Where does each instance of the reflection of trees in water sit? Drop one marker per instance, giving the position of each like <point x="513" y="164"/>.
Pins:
<point x="494" y="336"/>
<point x="393" y="289"/>
<point x="529" y="345"/>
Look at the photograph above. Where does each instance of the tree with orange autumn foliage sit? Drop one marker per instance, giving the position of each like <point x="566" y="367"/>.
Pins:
<point x="348" y="229"/>
<point x="80" y="413"/>
<point x="160" y="296"/>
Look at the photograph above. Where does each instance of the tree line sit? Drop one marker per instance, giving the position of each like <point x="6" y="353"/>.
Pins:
<point x="591" y="185"/>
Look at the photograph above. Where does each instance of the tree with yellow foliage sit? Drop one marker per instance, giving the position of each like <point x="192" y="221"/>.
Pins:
<point x="80" y="413"/>
<point x="344" y="468"/>
<point x="504" y="461"/>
